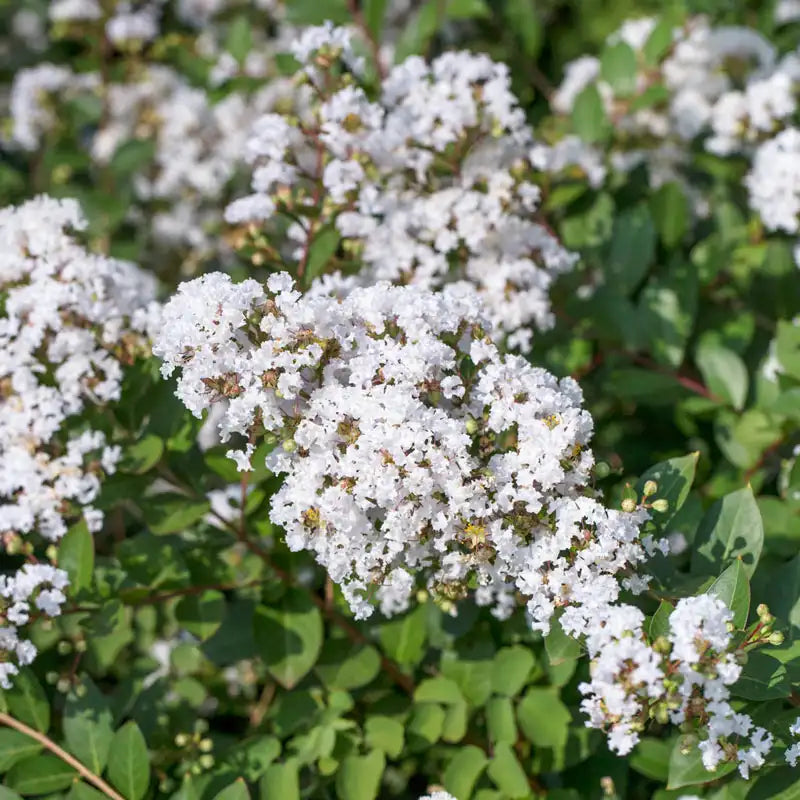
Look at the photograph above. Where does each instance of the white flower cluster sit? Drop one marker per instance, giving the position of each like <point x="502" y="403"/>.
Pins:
<point x="690" y="91"/>
<point x="682" y="677"/>
<point x="198" y="141"/>
<point x="69" y="321"/>
<point x="792" y="753"/>
<point x="440" y="795"/>
<point x="409" y="444"/>
<point x="430" y="185"/>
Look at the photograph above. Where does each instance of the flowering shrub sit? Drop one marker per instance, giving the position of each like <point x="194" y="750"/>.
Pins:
<point x="399" y="400"/>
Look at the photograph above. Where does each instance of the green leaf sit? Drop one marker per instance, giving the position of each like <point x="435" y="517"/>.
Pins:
<point x="289" y="636"/>
<point x="688" y="769"/>
<point x="438" y="690"/>
<point x="425" y="725"/>
<point x="88" y="725"/>
<point x="128" y="762"/>
<point x="733" y="588"/>
<point x="7" y="794"/>
<point x="403" y="639"/>
<point x="28" y="702"/>
<point x="312" y="12"/>
<point x="544" y="718"/>
<point x="505" y="770"/>
<point x="659" y="41"/>
<point x="323" y="247"/>
<point x="171" y="513"/>
<point x="500" y="720"/>
<point x="782" y="783"/>
<point x="251" y="757"/>
<point x="463" y="771"/>
<point x="454" y="724"/>
<point x="651" y="758"/>
<point x="344" y="665"/>
<point x="280" y="782"/>
<point x="76" y="556"/>
<point x="618" y="68"/>
<point x="659" y="623"/>
<point x="384" y="733"/>
<point x="674" y="478"/>
<point x="633" y="242"/>
<point x="14" y="747"/>
<point x="559" y="646"/>
<point x="239" y="40"/>
<point x="589" y="116"/>
<point x="40" y="775"/>
<point x="763" y="678"/>
<point x="731" y="529"/>
<point x="670" y="210"/>
<point x="132" y="156"/>
<point x="236" y="791"/>
<point x="143" y="455"/>
<point x="524" y="21"/>
<point x="201" y="614"/>
<point x="511" y="668"/>
<point x="724" y="373"/>
<point x="82" y="791"/>
<point x="359" y="777"/>
<point x="374" y="14"/>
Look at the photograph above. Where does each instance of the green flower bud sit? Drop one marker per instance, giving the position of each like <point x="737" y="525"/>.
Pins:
<point x="661" y="505"/>
<point x="289" y="445"/>
<point x="628" y="505"/>
<point x="471" y="425"/>
<point x="776" y="638"/>
<point x="650" y="488"/>
<point x="181" y="740"/>
<point x="601" y="470"/>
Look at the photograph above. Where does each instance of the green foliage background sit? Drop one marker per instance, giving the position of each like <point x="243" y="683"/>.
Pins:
<point x="200" y="659"/>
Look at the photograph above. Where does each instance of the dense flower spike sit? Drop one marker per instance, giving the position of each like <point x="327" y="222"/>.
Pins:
<point x="70" y="320"/>
<point x="409" y="444"/>
<point x="683" y="677"/>
<point x="439" y="172"/>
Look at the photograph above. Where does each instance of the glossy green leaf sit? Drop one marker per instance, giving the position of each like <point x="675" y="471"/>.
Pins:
<point x="14" y="747"/>
<point x="289" y="636"/>
<point x="733" y="588"/>
<point x="731" y="529"/>
<point x="201" y="614"/>
<point x="128" y="762"/>
<point x="359" y="777"/>
<point x="88" y="725"/>
<point x="39" y="775"/>
<point x="463" y="771"/>
<point x="27" y="700"/>
<point x="76" y="556"/>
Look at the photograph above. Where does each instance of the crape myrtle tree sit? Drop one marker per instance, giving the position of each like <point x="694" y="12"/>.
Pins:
<point x="399" y="400"/>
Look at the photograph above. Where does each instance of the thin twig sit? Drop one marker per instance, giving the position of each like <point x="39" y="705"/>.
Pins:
<point x="374" y="44"/>
<point x="43" y="740"/>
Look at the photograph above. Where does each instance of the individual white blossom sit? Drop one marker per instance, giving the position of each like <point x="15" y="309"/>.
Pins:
<point x="792" y="753"/>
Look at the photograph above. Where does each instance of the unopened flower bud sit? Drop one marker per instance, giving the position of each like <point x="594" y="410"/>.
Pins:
<point x="289" y="445"/>
<point x="181" y="740"/>
<point x="762" y="610"/>
<point x="650" y="488"/>
<point x="776" y="638"/>
<point x="628" y="505"/>
<point x="601" y="470"/>
<point x="206" y="745"/>
<point x="206" y="761"/>
<point x="661" y="505"/>
<point x="471" y="425"/>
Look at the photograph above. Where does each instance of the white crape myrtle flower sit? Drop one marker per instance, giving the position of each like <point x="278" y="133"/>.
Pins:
<point x="438" y="795"/>
<point x="682" y="677"/>
<point x="130" y="23"/>
<point x="30" y="102"/>
<point x="70" y="321"/>
<point x="693" y="90"/>
<point x="410" y="447"/>
<point x="437" y="172"/>
<point x="74" y="10"/>
<point x="792" y="753"/>
<point x="773" y="183"/>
